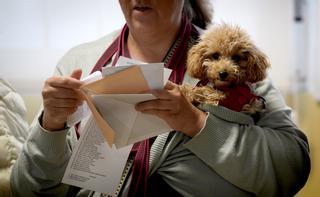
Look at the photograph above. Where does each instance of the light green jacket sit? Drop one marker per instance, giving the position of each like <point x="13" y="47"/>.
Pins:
<point x="231" y="156"/>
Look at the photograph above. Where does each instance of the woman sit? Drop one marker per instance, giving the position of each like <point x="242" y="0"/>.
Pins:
<point x="212" y="152"/>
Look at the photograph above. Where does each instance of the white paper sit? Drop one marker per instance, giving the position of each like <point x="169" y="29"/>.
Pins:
<point x="124" y="61"/>
<point x="130" y="125"/>
<point x="166" y="75"/>
<point x="155" y="74"/>
<point x="83" y="110"/>
<point x="93" y="164"/>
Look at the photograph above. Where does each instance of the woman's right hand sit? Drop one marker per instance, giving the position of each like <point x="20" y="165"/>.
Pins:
<point x="61" y="97"/>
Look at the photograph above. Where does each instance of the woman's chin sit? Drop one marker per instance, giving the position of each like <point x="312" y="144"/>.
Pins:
<point x="143" y="25"/>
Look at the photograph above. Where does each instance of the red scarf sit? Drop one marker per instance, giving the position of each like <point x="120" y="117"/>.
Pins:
<point x="175" y="60"/>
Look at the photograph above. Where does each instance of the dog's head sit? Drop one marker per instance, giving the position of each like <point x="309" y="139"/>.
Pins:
<point x="225" y="55"/>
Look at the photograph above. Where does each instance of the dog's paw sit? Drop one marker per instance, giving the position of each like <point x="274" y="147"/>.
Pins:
<point x="255" y="108"/>
<point x="187" y="91"/>
<point x="207" y="95"/>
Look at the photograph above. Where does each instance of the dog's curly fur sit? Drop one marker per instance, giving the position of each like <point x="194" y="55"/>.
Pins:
<point x="225" y="56"/>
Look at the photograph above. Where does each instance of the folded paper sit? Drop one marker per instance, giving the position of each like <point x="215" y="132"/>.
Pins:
<point x="112" y="100"/>
<point x="127" y="81"/>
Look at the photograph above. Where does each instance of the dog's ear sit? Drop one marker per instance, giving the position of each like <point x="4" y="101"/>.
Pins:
<point x="256" y="66"/>
<point x="196" y="57"/>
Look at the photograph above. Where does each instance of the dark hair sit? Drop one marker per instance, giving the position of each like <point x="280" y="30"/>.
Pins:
<point x="199" y="12"/>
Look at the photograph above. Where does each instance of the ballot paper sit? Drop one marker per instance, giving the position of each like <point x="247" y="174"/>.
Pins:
<point x="94" y="165"/>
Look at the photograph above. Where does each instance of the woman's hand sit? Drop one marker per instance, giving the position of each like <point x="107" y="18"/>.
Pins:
<point x="174" y="108"/>
<point x="61" y="97"/>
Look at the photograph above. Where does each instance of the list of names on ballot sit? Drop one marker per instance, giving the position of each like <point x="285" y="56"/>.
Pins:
<point x="88" y="153"/>
<point x="94" y="165"/>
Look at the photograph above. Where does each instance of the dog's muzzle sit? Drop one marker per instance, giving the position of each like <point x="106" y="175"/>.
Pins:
<point x="223" y="75"/>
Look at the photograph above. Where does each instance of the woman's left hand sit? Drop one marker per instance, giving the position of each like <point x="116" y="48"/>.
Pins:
<point x="173" y="107"/>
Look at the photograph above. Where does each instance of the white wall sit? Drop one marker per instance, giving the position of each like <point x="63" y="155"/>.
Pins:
<point x="313" y="73"/>
<point x="34" y="34"/>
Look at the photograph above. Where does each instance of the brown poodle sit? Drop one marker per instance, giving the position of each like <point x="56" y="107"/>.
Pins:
<point x="227" y="63"/>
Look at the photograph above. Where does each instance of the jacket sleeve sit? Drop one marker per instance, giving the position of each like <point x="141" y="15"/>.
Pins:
<point x="41" y="164"/>
<point x="43" y="160"/>
<point x="269" y="158"/>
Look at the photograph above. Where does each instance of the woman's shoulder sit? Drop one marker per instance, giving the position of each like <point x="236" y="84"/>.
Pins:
<point x="85" y="55"/>
<point x="95" y="46"/>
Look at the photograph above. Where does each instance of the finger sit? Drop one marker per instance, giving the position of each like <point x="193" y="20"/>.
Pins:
<point x="160" y="113"/>
<point x="157" y="104"/>
<point x="170" y="85"/>
<point x="64" y="82"/>
<point x="76" y="74"/>
<point x="161" y="94"/>
<point x="60" y="93"/>
<point x="67" y="82"/>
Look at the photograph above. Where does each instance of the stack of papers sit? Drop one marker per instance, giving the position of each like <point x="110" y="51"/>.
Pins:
<point x="99" y="157"/>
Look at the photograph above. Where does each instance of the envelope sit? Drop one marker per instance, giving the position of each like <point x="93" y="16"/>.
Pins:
<point x="130" y="126"/>
<point x="128" y="81"/>
<point x="155" y="74"/>
<point x="149" y="72"/>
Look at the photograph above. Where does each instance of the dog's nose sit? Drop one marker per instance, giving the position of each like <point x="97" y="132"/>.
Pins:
<point x="223" y="75"/>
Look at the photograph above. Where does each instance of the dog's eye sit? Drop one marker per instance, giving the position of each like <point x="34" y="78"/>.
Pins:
<point x="236" y="58"/>
<point x="245" y="56"/>
<point x="216" y="56"/>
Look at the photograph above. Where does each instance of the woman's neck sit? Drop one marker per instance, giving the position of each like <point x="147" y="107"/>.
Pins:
<point x="150" y="47"/>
